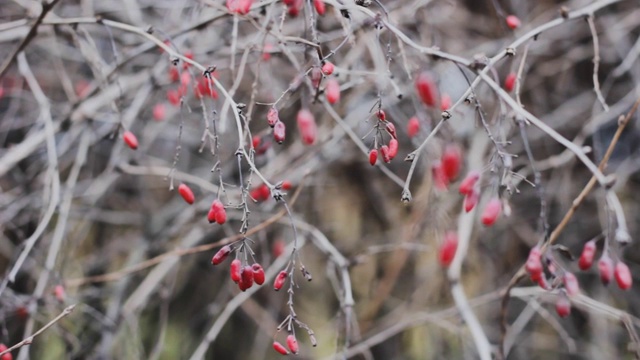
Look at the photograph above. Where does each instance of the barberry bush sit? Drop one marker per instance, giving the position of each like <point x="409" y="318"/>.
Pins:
<point x="366" y="179"/>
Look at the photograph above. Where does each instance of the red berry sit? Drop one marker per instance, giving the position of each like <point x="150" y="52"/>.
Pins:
<point x="235" y="270"/>
<point x="246" y="278"/>
<point x="533" y="264"/>
<point x="241" y="7"/>
<point x="468" y="183"/>
<point x="263" y="193"/>
<point x="280" y="279"/>
<point x="510" y="82"/>
<point x="186" y="193"/>
<point x="448" y="249"/>
<point x="59" y="293"/>
<point x="159" y="112"/>
<point x="563" y="306"/>
<point x="328" y="67"/>
<point x="471" y="200"/>
<point x="384" y="151"/>
<point x="272" y="117"/>
<point x="513" y="22"/>
<point x="174" y="97"/>
<point x="255" y="141"/>
<point x="440" y="179"/>
<point x="586" y="258"/>
<point x="211" y="216"/>
<point x="280" y="348"/>
<point x="258" y="274"/>
<point x="130" y="139"/>
<point x="332" y="91"/>
<point x="605" y="265"/>
<point x="204" y="88"/>
<point x="571" y="284"/>
<point x="221" y="255"/>
<point x="427" y="89"/>
<point x="445" y="102"/>
<point x="320" y="7"/>
<point x="393" y="148"/>
<point x="307" y="126"/>
<point x="391" y="129"/>
<point x="174" y="74"/>
<point x="292" y="343"/>
<point x="185" y="78"/>
<point x="189" y="55"/>
<point x="279" y="132"/>
<point x="413" y="127"/>
<point x="221" y="216"/>
<point x="491" y="212"/>
<point x="316" y="76"/>
<point x="382" y="116"/>
<point x="286" y="185"/>
<point x="6" y="356"/>
<point x="623" y="276"/>
<point x="451" y="159"/>
<point x="373" y="156"/>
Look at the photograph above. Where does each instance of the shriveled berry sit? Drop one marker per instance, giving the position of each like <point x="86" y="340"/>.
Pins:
<point x="258" y="273"/>
<point x="451" y="160"/>
<point x="328" y="67"/>
<point x="588" y="253"/>
<point x="448" y="248"/>
<point x="393" y="148"/>
<point x="280" y="348"/>
<point x="332" y="91"/>
<point x="571" y="284"/>
<point x="491" y="212"/>
<point x="563" y="306"/>
<point x="469" y="181"/>
<point x="413" y="126"/>
<point x="426" y="88"/>
<point x="373" y="156"/>
<point x="130" y="139"/>
<point x="279" y="281"/>
<point x="292" y="343"/>
<point x="510" y="82"/>
<point x="307" y="126"/>
<point x="513" y="22"/>
<point x="279" y="132"/>
<point x="221" y="255"/>
<point x="235" y="267"/>
<point x="186" y="193"/>
<point x="605" y="266"/>
<point x="384" y="151"/>
<point x="272" y="117"/>
<point x="623" y="276"/>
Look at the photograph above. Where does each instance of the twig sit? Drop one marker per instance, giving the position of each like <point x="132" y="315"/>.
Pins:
<point x="596" y="62"/>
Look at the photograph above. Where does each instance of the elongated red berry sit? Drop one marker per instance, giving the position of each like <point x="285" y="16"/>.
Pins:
<point x="255" y="141"/>
<point x="445" y="102"/>
<point x="469" y="181"/>
<point x="235" y="267"/>
<point x="605" y="266"/>
<point x="287" y="185"/>
<point x="320" y="7"/>
<point x="316" y="76"/>
<point x="440" y="179"/>
<point x="186" y="193"/>
<point x="307" y="126"/>
<point x="221" y="255"/>
<point x="623" y="276"/>
<point x="491" y="212"/>
<point x="258" y="273"/>
<point x="413" y="126"/>
<point x="130" y="139"/>
<point x="6" y="356"/>
<point x="571" y="284"/>
<point x="174" y="97"/>
<point x="373" y="156"/>
<point x="159" y="111"/>
<point x="280" y="348"/>
<point x="384" y="151"/>
<point x="328" y="67"/>
<point x="217" y="212"/>
<point x="588" y="253"/>
<point x="279" y="281"/>
<point x="391" y="129"/>
<point x="393" y="148"/>
<point x="332" y="91"/>
<point x="513" y="22"/>
<point x="533" y="264"/>
<point x="292" y="343"/>
<point x="279" y="132"/>
<point x="246" y="278"/>
<point x="471" y="200"/>
<point x="510" y="82"/>
<point x="221" y="216"/>
<point x="174" y="74"/>
<point x="448" y="248"/>
<point x="204" y="88"/>
<point x="59" y="293"/>
<point x="451" y="159"/>
<point x="426" y="88"/>
<point x="563" y="306"/>
<point x="382" y="116"/>
<point x="272" y="117"/>
<point x="185" y="78"/>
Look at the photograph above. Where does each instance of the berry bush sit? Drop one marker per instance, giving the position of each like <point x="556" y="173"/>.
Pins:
<point x="322" y="179"/>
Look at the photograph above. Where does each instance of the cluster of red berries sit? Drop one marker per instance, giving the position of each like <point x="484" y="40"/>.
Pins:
<point x="292" y="344"/>
<point x="244" y="276"/>
<point x="470" y="188"/>
<point x="388" y="152"/>
<point x="217" y="213"/>
<point x="262" y="192"/>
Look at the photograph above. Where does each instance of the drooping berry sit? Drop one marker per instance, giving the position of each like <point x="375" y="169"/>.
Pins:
<point x="307" y="126"/>
<point x="623" y="276"/>
<point x="491" y="212"/>
<point x="382" y="116"/>
<point x="328" y="67"/>
<point x="391" y="129"/>
<point x="451" y="159"/>
<point x="255" y="141"/>
<point x="280" y="348"/>
<point x="316" y="76"/>
<point x="185" y="78"/>
<point x="279" y="281"/>
<point x="563" y="306"/>
<point x="605" y="266"/>
<point x="174" y="74"/>
<point x="221" y="255"/>
<point x="258" y="274"/>
<point x="173" y="96"/>
<point x="159" y="112"/>
<point x="332" y="91"/>
<point x="279" y="132"/>
<point x="448" y="248"/>
<point x="393" y="148"/>
<point x="513" y="22"/>
<point x="320" y="7"/>
<point x="130" y="139"/>
<point x="413" y="126"/>
<point x="272" y="117"/>
<point x="186" y="193"/>
<point x="471" y="200"/>
<point x="373" y="156"/>
<point x="469" y="181"/>
<point x="292" y="343"/>
<point x="426" y="88"/>
<point x="384" y="151"/>
<point x="217" y="213"/>
<point x="510" y="82"/>
<point x="588" y="253"/>
<point x="246" y="278"/>
<point x="571" y="284"/>
<point x="235" y="267"/>
<point x="533" y="264"/>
